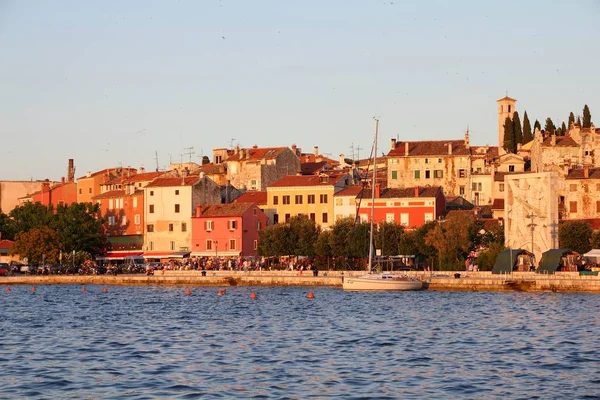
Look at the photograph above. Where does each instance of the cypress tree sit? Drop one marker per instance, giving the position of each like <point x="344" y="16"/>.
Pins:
<point x="549" y="128"/>
<point x="527" y="136"/>
<point x="509" y="136"/>
<point x="564" y="128"/>
<point x="517" y="129"/>
<point x="571" y="119"/>
<point x="578" y="120"/>
<point x="537" y="125"/>
<point x="587" y="117"/>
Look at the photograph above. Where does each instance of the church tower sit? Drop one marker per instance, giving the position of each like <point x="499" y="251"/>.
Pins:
<point x="506" y="108"/>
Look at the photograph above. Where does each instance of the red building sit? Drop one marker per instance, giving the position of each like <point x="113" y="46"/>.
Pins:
<point x="227" y="229"/>
<point x="64" y="193"/>
<point x="409" y="207"/>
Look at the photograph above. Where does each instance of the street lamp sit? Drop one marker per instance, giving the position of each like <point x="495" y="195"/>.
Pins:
<point x="532" y="226"/>
<point x="216" y="248"/>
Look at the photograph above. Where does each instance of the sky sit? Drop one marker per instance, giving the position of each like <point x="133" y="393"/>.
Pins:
<point x="115" y="83"/>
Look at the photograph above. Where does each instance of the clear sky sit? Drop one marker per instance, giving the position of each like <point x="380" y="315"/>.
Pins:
<point x="109" y="83"/>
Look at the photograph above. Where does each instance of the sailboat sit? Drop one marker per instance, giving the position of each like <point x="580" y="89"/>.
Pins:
<point x="380" y="281"/>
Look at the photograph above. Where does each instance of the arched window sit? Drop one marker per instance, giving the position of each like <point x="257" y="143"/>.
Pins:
<point x="509" y="108"/>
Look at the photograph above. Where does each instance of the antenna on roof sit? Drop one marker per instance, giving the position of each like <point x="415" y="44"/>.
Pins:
<point x="231" y="143"/>
<point x="189" y="152"/>
<point x="156" y="158"/>
<point x="358" y="149"/>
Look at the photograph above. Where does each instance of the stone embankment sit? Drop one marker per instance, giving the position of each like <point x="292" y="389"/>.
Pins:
<point x="446" y="281"/>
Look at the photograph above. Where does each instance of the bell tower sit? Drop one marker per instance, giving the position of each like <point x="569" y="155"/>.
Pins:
<point x="506" y="108"/>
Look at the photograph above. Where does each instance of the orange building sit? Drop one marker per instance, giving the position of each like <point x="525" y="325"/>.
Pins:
<point x="63" y="193"/>
<point x="89" y="185"/>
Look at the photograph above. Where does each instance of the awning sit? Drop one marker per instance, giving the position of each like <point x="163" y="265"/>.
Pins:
<point x="594" y="253"/>
<point x="166" y="254"/>
<point x="506" y="260"/>
<point x="551" y="260"/>
<point x="120" y="255"/>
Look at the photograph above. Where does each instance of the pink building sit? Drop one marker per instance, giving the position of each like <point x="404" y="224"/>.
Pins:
<point x="227" y="229"/>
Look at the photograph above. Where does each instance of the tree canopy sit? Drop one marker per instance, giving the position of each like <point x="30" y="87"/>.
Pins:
<point x="509" y="136"/>
<point x="527" y="135"/>
<point x="575" y="235"/>
<point x="587" y="117"/>
<point x="518" y="132"/>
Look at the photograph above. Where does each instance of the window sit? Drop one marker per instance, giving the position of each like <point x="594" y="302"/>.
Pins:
<point x="479" y="185"/>
<point x="461" y="190"/>
<point x="137" y="219"/>
<point x="474" y="186"/>
<point x="439" y="160"/>
<point x="111" y="204"/>
<point x="208" y="225"/>
<point x="418" y="174"/>
<point x="427" y="161"/>
<point x="170" y="227"/>
<point x="286" y="199"/>
<point x="462" y="173"/>
<point x="258" y="225"/>
<point x="394" y="174"/>
<point x="255" y="245"/>
<point x="254" y="211"/>
<point x="511" y="168"/>
<point x="152" y="193"/>
<point x="573" y="187"/>
<point x="232" y="224"/>
<point x="150" y="227"/>
<point x="324" y="218"/>
<point x="339" y="201"/>
<point x="275" y="200"/>
<point x="253" y="184"/>
<point x="509" y="108"/>
<point x="176" y="208"/>
<point x="275" y="218"/>
<point x="183" y="227"/>
<point x="209" y="244"/>
<point x="352" y="201"/>
<point x="298" y="199"/>
<point x="124" y="220"/>
<point x="177" y="192"/>
<point x="573" y="206"/>
<point x="427" y="174"/>
<point x="172" y="245"/>
<point x="90" y="190"/>
<point x="151" y="208"/>
<point x="311" y="199"/>
<point x="151" y="245"/>
<point x="80" y="191"/>
<point x="323" y="199"/>
<point x="389" y="217"/>
<point x="598" y="206"/>
<point x="287" y="218"/>
<point x="312" y="216"/>
<point x="438" y="173"/>
<point x="501" y="186"/>
<point x="428" y="217"/>
<point x="135" y="202"/>
<point x="404" y="219"/>
<point x="111" y="220"/>
<point x="231" y="244"/>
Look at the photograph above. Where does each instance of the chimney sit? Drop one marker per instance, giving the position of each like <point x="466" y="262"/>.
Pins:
<point x="377" y="190"/>
<point x="316" y="151"/>
<point x="142" y="170"/>
<point x="416" y="191"/>
<point x="393" y="144"/>
<point x="71" y="171"/>
<point x="62" y="180"/>
<point x="198" y="211"/>
<point x="236" y="149"/>
<point x="405" y="148"/>
<point x="449" y="149"/>
<point x="586" y="172"/>
<point x="294" y="147"/>
<point x="467" y="141"/>
<point x="46" y="186"/>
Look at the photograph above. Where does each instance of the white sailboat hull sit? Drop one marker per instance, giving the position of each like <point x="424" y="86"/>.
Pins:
<point x="381" y="282"/>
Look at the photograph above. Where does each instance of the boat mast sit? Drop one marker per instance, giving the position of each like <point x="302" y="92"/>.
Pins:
<point x="373" y="182"/>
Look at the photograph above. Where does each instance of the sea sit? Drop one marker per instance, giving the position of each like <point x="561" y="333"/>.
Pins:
<point x="146" y="342"/>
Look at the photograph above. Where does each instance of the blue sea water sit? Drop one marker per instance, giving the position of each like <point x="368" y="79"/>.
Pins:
<point x="158" y="342"/>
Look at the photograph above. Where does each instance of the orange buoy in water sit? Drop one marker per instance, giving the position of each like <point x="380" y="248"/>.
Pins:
<point x="253" y="295"/>
<point x="310" y="295"/>
<point x="8" y="288"/>
<point x="33" y="289"/>
<point x="221" y="292"/>
<point x="105" y="290"/>
<point x="82" y="289"/>
<point x="188" y="292"/>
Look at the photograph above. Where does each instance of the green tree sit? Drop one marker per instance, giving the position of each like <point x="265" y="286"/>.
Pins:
<point x="487" y="258"/>
<point x="509" y="136"/>
<point x="575" y="235"/>
<point x="276" y="241"/>
<point x="595" y="240"/>
<point x="31" y="215"/>
<point x="571" y="119"/>
<point x="564" y="129"/>
<point x="537" y="125"/>
<point x="304" y="234"/>
<point x="358" y="241"/>
<point x="518" y="132"/>
<point x="387" y="238"/>
<point x="578" y="122"/>
<point x="452" y="238"/>
<point x="527" y="135"/>
<point x="587" y="117"/>
<point x="37" y="244"/>
<point x="7" y="228"/>
<point x="78" y="228"/>
<point x="549" y="128"/>
<point x="340" y="234"/>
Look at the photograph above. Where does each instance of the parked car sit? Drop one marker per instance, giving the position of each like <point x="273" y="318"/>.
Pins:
<point x="4" y="269"/>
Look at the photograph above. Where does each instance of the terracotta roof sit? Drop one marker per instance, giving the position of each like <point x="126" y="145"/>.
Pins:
<point x="498" y="204"/>
<point x="561" y="141"/>
<point x="350" y="191"/>
<point x="505" y="98"/>
<point x="368" y="162"/>
<point x="311" y="158"/>
<point x="225" y="210"/>
<point x="310" y="168"/>
<point x="256" y="154"/>
<point x="458" y="203"/>
<point x="211" y="169"/>
<point x="146" y="176"/>
<point x="430" y="148"/>
<point x="480" y="151"/>
<point x="489" y="223"/>
<point x="259" y="197"/>
<point x="593" y="173"/>
<point x="109" y="194"/>
<point x="308" y="180"/>
<point x="6" y="244"/>
<point x="430" y="191"/>
<point x="109" y="170"/>
<point x="166" y="182"/>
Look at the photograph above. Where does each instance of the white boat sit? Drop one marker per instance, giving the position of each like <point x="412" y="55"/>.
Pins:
<point x="383" y="281"/>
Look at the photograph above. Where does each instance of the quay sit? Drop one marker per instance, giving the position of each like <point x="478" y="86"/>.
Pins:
<point x="481" y="281"/>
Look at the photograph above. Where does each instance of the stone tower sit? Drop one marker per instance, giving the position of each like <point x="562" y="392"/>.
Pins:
<point x="506" y="108"/>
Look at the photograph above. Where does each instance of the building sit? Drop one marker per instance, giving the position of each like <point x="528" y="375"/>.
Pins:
<point x="90" y="185"/>
<point x="258" y="197"/>
<point x="16" y="193"/>
<point x="347" y="201"/>
<point x="506" y="109"/>
<point x="169" y="204"/>
<point x="409" y="207"/>
<point x="227" y="230"/>
<point x="257" y="168"/>
<point x="5" y="256"/>
<point x="309" y="195"/>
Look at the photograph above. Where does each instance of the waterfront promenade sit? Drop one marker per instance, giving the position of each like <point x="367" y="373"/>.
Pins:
<point x="443" y="281"/>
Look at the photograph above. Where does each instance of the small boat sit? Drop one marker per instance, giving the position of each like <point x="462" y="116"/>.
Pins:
<point x="382" y="281"/>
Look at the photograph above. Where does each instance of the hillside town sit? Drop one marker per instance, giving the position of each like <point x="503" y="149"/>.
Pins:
<point x="219" y="207"/>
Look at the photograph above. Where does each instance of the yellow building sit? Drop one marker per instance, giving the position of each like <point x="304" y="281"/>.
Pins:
<point x="310" y="195"/>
